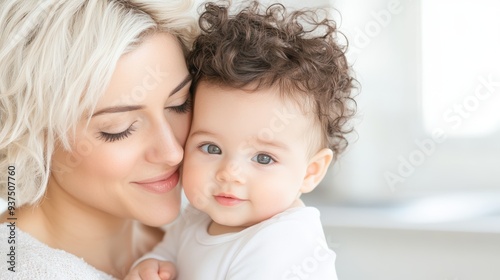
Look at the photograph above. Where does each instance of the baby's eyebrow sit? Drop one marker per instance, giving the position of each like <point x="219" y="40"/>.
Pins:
<point x="275" y="144"/>
<point x="202" y="132"/>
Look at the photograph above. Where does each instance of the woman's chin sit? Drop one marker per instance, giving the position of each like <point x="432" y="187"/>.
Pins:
<point x="161" y="217"/>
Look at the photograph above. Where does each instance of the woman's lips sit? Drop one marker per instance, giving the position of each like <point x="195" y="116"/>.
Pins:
<point x="161" y="184"/>
<point x="228" y="200"/>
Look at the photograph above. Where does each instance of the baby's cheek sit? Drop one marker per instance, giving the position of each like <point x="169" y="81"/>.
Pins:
<point x="197" y="186"/>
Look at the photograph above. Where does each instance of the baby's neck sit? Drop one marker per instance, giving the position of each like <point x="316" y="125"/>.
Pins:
<point x="216" y="229"/>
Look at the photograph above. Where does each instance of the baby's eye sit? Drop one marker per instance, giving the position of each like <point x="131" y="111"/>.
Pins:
<point x="263" y="159"/>
<point x="211" y="149"/>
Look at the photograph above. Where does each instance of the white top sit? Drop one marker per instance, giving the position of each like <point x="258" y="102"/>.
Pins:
<point x="35" y="260"/>
<point x="290" y="245"/>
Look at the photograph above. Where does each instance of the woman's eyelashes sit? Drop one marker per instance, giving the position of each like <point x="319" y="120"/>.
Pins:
<point x="112" y="137"/>
<point x="260" y="158"/>
<point x="184" y="108"/>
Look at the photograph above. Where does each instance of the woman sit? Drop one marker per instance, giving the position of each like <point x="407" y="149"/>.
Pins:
<point x="95" y="110"/>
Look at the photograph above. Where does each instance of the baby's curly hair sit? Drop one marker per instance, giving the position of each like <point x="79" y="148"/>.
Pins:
<point x="295" y="51"/>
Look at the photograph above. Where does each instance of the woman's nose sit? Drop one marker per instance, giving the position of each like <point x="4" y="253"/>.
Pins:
<point x="166" y="148"/>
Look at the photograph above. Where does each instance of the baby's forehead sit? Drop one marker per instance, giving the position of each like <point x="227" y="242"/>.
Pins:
<point x="249" y="113"/>
<point x="303" y="101"/>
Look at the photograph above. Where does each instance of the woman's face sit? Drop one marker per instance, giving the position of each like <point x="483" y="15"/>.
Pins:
<point x="125" y="162"/>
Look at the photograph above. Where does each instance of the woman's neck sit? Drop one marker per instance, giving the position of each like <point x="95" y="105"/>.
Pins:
<point x="104" y="241"/>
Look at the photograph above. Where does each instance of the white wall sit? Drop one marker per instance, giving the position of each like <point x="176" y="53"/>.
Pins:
<point x="387" y="54"/>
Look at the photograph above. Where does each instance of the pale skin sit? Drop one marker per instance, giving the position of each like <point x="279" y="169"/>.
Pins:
<point x="106" y="197"/>
<point x="253" y="148"/>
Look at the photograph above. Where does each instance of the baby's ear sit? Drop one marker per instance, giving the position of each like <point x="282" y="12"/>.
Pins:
<point x="316" y="169"/>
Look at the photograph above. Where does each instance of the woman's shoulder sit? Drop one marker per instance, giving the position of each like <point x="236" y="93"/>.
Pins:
<point x="27" y="258"/>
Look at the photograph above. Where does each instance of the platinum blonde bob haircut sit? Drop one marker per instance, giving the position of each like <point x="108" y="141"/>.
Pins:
<point x="57" y="58"/>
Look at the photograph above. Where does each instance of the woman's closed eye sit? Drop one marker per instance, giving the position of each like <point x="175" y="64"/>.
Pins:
<point x="211" y="149"/>
<point x="112" y="137"/>
<point x="183" y="108"/>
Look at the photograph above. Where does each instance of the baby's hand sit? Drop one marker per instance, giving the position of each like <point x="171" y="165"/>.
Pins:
<point x="152" y="269"/>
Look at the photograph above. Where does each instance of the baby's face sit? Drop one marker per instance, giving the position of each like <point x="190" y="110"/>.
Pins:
<point x="247" y="154"/>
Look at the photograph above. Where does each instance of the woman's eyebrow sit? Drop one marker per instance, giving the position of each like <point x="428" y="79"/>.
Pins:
<point x="181" y="85"/>
<point x="120" y="109"/>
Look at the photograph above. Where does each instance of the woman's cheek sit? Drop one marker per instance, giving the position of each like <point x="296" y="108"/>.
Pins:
<point x="180" y="125"/>
<point x="112" y="160"/>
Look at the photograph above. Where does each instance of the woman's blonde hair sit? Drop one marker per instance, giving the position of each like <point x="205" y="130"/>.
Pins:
<point x="57" y="58"/>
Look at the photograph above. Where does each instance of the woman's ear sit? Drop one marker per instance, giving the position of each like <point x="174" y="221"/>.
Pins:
<point x="316" y="169"/>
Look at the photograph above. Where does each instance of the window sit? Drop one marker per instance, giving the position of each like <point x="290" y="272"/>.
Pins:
<point x="428" y="123"/>
<point x="461" y="67"/>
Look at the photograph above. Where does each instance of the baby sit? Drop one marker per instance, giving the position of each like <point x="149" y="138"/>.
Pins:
<point x="272" y="96"/>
